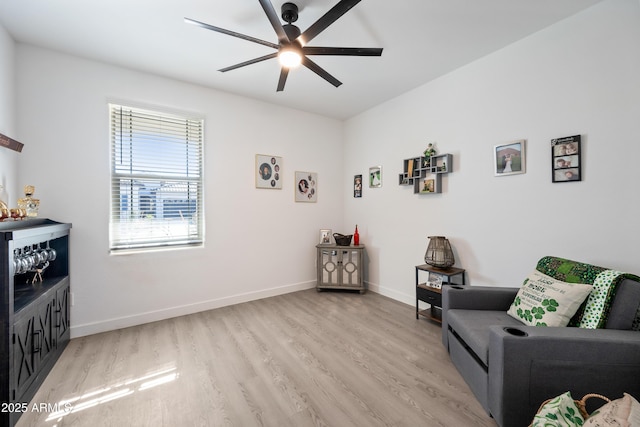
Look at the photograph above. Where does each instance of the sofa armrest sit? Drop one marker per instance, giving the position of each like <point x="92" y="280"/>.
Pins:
<point x="474" y="298"/>
<point x="529" y="364"/>
<point x="478" y="297"/>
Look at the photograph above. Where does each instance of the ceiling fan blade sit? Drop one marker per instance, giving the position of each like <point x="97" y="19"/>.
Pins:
<point x="327" y="19"/>
<point x="284" y="72"/>
<point x="275" y="20"/>
<point x="320" y="71"/>
<point x="349" y="51"/>
<point x="249" y="62"/>
<point x="231" y="33"/>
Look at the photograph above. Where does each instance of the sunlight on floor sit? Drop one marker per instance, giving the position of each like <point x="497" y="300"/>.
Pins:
<point x="112" y="392"/>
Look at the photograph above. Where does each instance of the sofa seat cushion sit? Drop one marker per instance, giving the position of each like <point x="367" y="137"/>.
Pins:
<point x="472" y="326"/>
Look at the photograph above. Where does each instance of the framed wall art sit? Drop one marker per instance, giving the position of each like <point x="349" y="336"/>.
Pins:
<point x="357" y="186"/>
<point x="509" y="159"/>
<point x="268" y="171"/>
<point x="375" y="177"/>
<point x="566" y="162"/>
<point x="306" y="187"/>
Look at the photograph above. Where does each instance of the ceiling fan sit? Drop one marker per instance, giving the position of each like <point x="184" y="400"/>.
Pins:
<point x="292" y="48"/>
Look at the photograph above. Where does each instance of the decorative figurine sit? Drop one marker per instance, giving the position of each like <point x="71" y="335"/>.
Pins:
<point x="29" y="204"/>
<point x="430" y="151"/>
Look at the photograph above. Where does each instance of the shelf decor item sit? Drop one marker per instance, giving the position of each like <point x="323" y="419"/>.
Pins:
<point x="28" y="203"/>
<point x="342" y="240"/>
<point x="430" y="151"/>
<point x="439" y="253"/>
<point x="325" y="236"/>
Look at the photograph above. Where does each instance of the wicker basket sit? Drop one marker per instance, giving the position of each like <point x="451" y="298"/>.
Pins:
<point x="342" y="240"/>
<point x="581" y="404"/>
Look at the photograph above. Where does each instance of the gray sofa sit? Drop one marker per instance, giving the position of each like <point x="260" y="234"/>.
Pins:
<point x="512" y="368"/>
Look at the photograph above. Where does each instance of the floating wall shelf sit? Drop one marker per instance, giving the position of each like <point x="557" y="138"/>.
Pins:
<point x="425" y="173"/>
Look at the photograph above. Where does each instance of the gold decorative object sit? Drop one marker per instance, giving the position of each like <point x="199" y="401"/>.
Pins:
<point x="29" y="204"/>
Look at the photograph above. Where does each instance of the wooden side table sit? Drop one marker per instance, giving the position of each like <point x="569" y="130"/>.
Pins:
<point x="426" y="292"/>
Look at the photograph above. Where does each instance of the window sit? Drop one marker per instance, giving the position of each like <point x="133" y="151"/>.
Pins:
<point x="156" y="179"/>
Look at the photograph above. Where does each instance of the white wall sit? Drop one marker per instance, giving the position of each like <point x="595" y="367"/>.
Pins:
<point x="580" y="76"/>
<point x="258" y="242"/>
<point x="8" y="158"/>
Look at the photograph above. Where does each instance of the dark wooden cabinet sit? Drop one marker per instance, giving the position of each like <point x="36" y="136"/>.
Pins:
<point x="35" y="309"/>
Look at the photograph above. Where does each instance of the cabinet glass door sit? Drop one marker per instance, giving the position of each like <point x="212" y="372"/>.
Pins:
<point x="350" y="263"/>
<point x="330" y="267"/>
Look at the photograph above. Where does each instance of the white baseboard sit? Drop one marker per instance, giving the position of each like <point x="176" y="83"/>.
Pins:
<point x="391" y="293"/>
<point x="153" y="316"/>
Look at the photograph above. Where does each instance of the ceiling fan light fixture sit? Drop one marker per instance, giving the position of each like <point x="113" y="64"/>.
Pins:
<point x="289" y="58"/>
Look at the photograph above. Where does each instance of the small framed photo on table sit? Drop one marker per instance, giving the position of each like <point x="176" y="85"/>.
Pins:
<point x="325" y="236"/>
<point x="435" y="281"/>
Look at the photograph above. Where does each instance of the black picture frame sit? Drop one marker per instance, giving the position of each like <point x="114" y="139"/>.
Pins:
<point x="566" y="159"/>
<point x="357" y="186"/>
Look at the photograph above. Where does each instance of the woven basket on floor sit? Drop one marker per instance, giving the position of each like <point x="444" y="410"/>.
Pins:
<point x="581" y="404"/>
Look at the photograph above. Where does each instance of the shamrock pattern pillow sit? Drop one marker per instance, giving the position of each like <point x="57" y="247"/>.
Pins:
<point x="545" y="301"/>
<point x="561" y="411"/>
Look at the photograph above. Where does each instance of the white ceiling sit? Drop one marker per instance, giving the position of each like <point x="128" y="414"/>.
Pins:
<point x="422" y="40"/>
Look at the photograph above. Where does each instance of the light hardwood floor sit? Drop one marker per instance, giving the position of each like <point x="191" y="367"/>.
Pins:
<point x="301" y="359"/>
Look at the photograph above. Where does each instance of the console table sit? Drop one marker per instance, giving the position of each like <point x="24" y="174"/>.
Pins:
<point x="340" y="267"/>
<point x="432" y="295"/>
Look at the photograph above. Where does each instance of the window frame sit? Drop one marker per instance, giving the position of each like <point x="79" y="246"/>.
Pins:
<point x="185" y="183"/>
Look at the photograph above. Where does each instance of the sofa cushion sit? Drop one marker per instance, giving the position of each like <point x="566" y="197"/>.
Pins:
<point x="545" y="301"/>
<point x="472" y="327"/>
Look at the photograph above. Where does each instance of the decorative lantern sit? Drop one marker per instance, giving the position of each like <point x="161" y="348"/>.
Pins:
<point x="439" y="253"/>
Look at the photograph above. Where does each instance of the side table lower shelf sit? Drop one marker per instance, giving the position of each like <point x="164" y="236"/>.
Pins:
<point x="433" y="297"/>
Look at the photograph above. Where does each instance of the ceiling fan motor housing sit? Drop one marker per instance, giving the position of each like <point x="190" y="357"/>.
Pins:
<point x="289" y="12"/>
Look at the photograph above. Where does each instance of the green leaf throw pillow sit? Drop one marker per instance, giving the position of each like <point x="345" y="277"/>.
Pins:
<point x="559" y="411"/>
<point x="545" y="301"/>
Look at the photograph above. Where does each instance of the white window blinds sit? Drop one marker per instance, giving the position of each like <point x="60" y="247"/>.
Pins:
<point x="156" y="179"/>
